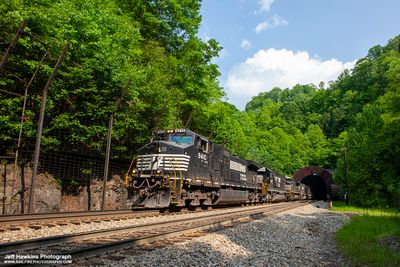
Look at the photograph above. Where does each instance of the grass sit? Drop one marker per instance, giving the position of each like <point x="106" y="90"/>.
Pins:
<point x="341" y="206"/>
<point x="363" y="239"/>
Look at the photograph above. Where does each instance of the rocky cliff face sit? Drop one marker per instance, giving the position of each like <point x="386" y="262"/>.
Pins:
<point x="14" y="191"/>
<point x="116" y="196"/>
<point x="51" y="197"/>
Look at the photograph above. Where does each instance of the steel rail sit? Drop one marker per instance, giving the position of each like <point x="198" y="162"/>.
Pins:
<point x="40" y="218"/>
<point x="49" y="217"/>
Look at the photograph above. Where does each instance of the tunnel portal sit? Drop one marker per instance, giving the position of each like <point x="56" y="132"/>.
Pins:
<point x="319" y="180"/>
<point x="317" y="186"/>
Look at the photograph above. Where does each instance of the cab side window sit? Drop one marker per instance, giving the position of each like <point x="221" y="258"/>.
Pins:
<point x="202" y="144"/>
<point x="210" y="147"/>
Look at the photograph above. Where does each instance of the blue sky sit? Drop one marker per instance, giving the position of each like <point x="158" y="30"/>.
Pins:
<point x="268" y="43"/>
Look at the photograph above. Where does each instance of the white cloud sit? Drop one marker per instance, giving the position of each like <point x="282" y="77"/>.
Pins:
<point x="246" y="45"/>
<point x="271" y="23"/>
<point x="279" y="68"/>
<point x="265" y="5"/>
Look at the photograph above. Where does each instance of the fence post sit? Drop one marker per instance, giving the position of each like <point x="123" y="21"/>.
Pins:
<point x="88" y="173"/>
<point x="108" y="148"/>
<point x="109" y="135"/>
<point x="346" y="177"/>
<point x="13" y="44"/>
<point x="21" y="125"/>
<point x="40" y="127"/>
<point x="22" y="166"/>
<point x="107" y="161"/>
<point x="4" y="186"/>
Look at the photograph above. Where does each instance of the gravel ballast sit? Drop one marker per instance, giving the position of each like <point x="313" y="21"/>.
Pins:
<point x="28" y="233"/>
<point x="299" y="237"/>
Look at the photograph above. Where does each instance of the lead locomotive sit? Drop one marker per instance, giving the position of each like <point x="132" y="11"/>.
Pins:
<point x="181" y="168"/>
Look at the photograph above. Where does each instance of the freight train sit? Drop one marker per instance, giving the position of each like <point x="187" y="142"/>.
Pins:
<point x="180" y="168"/>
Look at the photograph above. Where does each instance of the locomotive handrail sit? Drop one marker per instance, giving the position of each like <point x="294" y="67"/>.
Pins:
<point x="180" y="176"/>
<point x="174" y="184"/>
<point x="175" y="173"/>
<point x="127" y="173"/>
<point x="264" y="187"/>
<point x="168" y="178"/>
<point x="173" y="168"/>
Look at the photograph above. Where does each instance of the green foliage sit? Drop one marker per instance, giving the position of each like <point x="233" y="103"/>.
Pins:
<point x="145" y="52"/>
<point x="374" y="158"/>
<point x="373" y="139"/>
<point x="287" y="131"/>
<point x="363" y="240"/>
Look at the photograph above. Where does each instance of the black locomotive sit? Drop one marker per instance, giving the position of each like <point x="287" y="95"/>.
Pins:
<point x="180" y="168"/>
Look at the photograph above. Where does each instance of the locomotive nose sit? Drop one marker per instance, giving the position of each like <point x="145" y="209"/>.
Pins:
<point x="152" y="148"/>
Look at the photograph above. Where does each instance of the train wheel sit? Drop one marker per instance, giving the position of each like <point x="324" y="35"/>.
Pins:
<point x="193" y="208"/>
<point x="174" y="208"/>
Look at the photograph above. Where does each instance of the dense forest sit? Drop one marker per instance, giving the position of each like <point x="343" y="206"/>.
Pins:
<point x="149" y="55"/>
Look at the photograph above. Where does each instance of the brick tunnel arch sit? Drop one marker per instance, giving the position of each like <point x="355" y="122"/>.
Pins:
<point x="318" y="179"/>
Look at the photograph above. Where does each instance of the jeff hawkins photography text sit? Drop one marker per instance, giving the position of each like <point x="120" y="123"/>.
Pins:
<point x="37" y="259"/>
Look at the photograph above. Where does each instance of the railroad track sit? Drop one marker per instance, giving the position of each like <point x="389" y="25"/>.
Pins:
<point x="38" y="220"/>
<point x="89" y="244"/>
<point x="14" y="222"/>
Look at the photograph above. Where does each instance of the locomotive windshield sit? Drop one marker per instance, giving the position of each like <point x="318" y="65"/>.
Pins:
<point x="182" y="139"/>
<point x="176" y="138"/>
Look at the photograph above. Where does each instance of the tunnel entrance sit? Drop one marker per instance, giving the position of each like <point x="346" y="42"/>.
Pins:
<point x="317" y="187"/>
<point x="319" y="180"/>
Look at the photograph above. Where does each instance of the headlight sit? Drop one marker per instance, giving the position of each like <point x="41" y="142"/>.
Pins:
<point x="158" y="171"/>
<point x="134" y="172"/>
